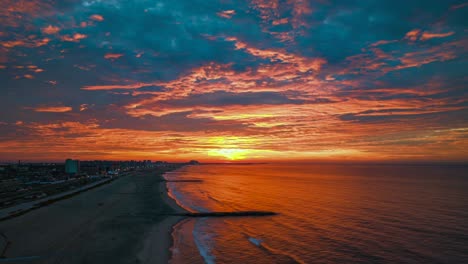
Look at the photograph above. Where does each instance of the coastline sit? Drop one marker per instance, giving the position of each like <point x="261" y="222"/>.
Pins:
<point x="125" y="221"/>
<point x="159" y="241"/>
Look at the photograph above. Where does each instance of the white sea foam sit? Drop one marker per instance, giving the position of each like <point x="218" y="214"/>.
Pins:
<point x="183" y="201"/>
<point x="204" y="242"/>
<point x="255" y="241"/>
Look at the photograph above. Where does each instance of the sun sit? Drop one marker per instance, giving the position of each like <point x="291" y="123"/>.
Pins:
<point x="229" y="153"/>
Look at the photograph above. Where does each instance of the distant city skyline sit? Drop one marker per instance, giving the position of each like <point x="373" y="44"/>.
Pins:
<point x="234" y="81"/>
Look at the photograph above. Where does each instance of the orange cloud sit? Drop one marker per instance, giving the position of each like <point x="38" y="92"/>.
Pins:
<point x="417" y="34"/>
<point x="50" y="30"/>
<point x="287" y="131"/>
<point x="116" y="87"/>
<point x="280" y="21"/>
<point x="427" y="35"/>
<point x="302" y="63"/>
<point x="335" y="116"/>
<point x="266" y="139"/>
<point x="378" y="62"/>
<point x="382" y="42"/>
<point x="300" y="8"/>
<point x="413" y="35"/>
<point x="29" y="43"/>
<point x="16" y="13"/>
<point x="96" y="17"/>
<point x="13" y="43"/>
<point x="444" y="52"/>
<point x="53" y="109"/>
<point x="83" y="107"/>
<point x="75" y="38"/>
<point x="227" y="13"/>
<point x="285" y="67"/>
<point x="113" y="56"/>
<point x="272" y="11"/>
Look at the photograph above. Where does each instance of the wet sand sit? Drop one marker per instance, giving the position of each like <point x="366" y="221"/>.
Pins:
<point x="121" y="222"/>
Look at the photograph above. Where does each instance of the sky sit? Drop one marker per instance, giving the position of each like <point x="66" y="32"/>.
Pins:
<point x="234" y="80"/>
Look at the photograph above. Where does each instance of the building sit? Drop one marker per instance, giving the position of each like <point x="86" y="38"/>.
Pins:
<point x="72" y="166"/>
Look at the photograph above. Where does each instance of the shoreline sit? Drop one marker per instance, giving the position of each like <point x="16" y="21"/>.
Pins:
<point x="126" y="221"/>
<point x="159" y="241"/>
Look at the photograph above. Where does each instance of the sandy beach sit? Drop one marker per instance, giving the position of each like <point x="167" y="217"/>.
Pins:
<point x="122" y="222"/>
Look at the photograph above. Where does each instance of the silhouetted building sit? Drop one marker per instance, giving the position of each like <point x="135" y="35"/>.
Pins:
<point x="72" y="166"/>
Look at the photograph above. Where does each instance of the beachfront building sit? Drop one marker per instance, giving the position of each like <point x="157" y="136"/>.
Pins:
<point x="72" y="166"/>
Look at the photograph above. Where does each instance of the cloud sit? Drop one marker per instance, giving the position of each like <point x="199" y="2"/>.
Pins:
<point x="207" y="102"/>
<point x="29" y="43"/>
<point x="302" y="63"/>
<point x="15" y="13"/>
<point x="74" y="38"/>
<point x="270" y="11"/>
<point x="50" y="30"/>
<point x="227" y="13"/>
<point x="413" y="35"/>
<point x="116" y="87"/>
<point x="274" y="79"/>
<point x="427" y="35"/>
<point x="176" y="122"/>
<point x="113" y="56"/>
<point x="417" y="34"/>
<point x="53" y="109"/>
<point x="97" y="18"/>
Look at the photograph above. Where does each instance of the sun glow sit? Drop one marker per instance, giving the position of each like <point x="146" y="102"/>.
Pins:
<point x="231" y="154"/>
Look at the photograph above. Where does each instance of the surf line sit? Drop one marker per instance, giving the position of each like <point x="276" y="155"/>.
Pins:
<point x="181" y="181"/>
<point x="225" y="214"/>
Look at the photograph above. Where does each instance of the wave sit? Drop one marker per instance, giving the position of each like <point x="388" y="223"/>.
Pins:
<point x="255" y="241"/>
<point x="182" y="201"/>
<point x="177" y="197"/>
<point x="204" y="242"/>
<point x="285" y="257"/>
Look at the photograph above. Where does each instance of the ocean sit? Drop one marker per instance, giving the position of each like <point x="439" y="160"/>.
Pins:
<point x="326" y="214"/>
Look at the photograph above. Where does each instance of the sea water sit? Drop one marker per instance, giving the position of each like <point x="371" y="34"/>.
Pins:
<point x="326" y="214"/>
